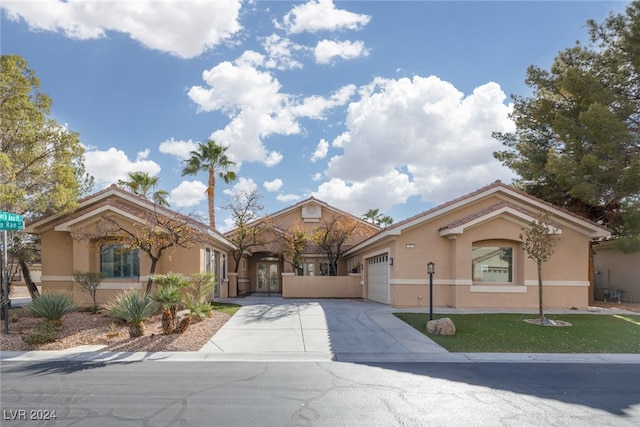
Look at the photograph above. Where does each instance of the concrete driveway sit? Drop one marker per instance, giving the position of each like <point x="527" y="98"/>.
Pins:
<point x="322" y="329"/>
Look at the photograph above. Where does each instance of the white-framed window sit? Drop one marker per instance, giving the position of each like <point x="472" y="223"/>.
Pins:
<point x="309" y="268"/>
<point x="492" y="264"/>
<point x="119" y="262"/>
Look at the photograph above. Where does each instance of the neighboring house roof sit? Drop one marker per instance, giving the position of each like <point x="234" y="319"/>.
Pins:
<point x="517" y="204"/>
<point x="112" y="199"/>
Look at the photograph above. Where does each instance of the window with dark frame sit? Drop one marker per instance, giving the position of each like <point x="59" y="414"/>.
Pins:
<point x="119" y="262"/>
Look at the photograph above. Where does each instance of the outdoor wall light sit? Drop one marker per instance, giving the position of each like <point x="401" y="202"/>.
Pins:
<point x="390" y="261"/>
<point x="431" y="270"/>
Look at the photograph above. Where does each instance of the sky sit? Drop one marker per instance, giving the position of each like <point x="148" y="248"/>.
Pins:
<point x="385" y="105"/>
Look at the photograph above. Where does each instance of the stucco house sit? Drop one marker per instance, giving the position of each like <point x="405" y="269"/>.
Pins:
<point x="476" y="245"/>
<point x="265" y="267"/>
<point x="474" y="241"/>
<point x="124" y="269"/>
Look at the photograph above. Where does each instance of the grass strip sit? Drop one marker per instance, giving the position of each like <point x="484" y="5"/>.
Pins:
<point x="509" y="333"/>
<point x="224" y="307"/>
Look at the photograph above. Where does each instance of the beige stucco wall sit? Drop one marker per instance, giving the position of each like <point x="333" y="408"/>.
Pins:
<point x="61" y="256"/>
<point x="617" y="270"/>
<point x="321" y="286"/>
<point x="565" y="275"/>
<point x="285" y="220"/>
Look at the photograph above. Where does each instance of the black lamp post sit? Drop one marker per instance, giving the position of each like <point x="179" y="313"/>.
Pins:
<point x="431" y="269"/>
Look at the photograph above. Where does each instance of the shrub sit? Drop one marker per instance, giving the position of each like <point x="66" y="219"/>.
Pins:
<point x="135" y="308"/>
<point x="52" y="306"/>
<point x="42" y="333"/>
<point x="199" y="287"/>
<point x="198" y="309"/>
<point x="89" y="281"/>
<point x="168" y="296"/>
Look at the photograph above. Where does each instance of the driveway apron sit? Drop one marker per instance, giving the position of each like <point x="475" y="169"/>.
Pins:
<point x="329" y="328"/>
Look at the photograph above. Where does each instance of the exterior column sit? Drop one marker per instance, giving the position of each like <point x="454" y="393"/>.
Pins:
<point x="232" y="285"/>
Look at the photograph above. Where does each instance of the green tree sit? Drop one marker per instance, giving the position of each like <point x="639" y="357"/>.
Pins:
<point x="539" y="244"/>
<point x="374" y="216"/>
<point x="143" y="184"/>
<point x="576" y="142"/>
<point x="210" y="158"/>
<point x="41" y="161"/>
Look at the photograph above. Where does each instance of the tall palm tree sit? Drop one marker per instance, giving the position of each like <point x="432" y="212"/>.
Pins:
<point x="211" y="158"/>
<point x="371" y="215"/>
<point x="141" y="184"/>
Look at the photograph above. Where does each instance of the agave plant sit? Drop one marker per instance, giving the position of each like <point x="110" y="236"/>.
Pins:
<point x="52" y="306"/>
<point x="135" y="308"/>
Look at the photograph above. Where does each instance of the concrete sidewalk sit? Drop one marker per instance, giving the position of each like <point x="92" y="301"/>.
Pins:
<point x="273" y="329"/>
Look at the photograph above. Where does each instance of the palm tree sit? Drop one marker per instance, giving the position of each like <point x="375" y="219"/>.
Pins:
<point x="212" y="158"/>
<point x="374" y="216"/>
<point x="371" y="215"/>
<point x="141" y="184"/>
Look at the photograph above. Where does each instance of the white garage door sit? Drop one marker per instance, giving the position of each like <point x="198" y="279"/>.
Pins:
<point x="378" y="278"/>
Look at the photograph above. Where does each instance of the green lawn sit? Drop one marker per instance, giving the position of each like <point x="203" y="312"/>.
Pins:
<point x="508" y="333"/>
<point x="224" y="307"/>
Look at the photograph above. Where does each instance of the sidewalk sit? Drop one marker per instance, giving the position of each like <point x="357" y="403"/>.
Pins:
<point x="273" y="329"/>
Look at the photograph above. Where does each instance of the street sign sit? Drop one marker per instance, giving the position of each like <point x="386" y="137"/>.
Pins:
<point x="11" y="221"/>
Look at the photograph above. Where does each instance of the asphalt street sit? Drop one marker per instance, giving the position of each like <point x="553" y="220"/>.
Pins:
<point x="214" y="393"/>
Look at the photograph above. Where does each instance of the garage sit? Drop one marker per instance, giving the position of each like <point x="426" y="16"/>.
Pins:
<point x="378" y="278"/>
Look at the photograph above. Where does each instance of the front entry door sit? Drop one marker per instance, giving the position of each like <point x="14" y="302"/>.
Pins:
<point x="268" y="277"/>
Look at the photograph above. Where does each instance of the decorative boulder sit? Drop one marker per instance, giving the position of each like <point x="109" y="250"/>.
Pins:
<point x="444" y="326"/>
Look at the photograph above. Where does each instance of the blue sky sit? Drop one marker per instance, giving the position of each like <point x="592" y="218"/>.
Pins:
<point x="362" y="104"/>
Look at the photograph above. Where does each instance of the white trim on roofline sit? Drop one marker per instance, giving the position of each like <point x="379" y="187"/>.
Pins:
<point x="527" y="219"/>
<point x="66" y="226"/>
<point x="594" y="231"/>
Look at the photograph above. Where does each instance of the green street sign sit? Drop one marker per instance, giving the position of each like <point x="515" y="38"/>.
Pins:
<point x="11" y="221"/>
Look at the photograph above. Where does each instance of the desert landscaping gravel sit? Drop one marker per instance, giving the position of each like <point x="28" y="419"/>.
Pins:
<point x="82" y="328"/>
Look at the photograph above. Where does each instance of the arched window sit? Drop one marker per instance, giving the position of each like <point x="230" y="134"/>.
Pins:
<point x="492" y="264"/>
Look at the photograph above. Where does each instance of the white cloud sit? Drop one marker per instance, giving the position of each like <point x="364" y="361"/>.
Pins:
<point x="182" y="28"/>
<point x="315" y="106"/>
<point x="321" y="15"/>
<point x="280" y="53"/>
<point x="107" y="167"/>
<point x="381" y="192"/>
<point x="256" y="107"/>
<point x="421" y="135"/>
<point x="317" y="176"/>
<point x="287" y="198"/>
<point x="326" y="50"/>
<point x="188" y="193"/>
<point x="252" y="100"/>
<point x="244" y="185"/>
<point x="274" y="185"/>
<point x="181" y="149"/>
<point x="321" y="151"/>
<point x="341" y="140"/>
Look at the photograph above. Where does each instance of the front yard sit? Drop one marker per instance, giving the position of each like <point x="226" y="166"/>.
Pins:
<point x="509" y="333"/>
<point x="83" y="328"/>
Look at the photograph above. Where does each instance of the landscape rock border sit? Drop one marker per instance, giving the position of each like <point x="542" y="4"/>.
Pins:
<point x="548" y="322"/>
